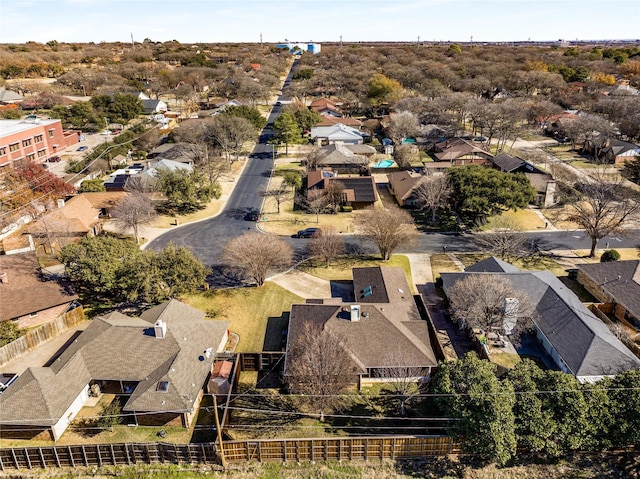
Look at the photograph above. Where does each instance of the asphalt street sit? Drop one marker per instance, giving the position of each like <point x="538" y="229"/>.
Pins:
<point x="207" y="238"/>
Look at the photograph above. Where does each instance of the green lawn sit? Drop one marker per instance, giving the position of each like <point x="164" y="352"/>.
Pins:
<point x="251" y="311"/>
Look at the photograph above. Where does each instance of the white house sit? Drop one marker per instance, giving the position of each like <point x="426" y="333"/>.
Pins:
<point x="339" y="133"/>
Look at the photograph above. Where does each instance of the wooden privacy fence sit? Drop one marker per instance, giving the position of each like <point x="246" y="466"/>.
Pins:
<point x="41" y="334"/>
<point x="339" y="449"/>
<point x="267" y="450"/>
<point x="107" y="455"/>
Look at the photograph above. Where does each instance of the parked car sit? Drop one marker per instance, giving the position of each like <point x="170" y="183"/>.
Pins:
<point x="54" y="159"/>
<point x="253" y="215"/>
<point x="83" y="148"/>
<point x="309" y="233"/>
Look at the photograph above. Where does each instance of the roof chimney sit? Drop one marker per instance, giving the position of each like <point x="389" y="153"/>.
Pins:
<point x="160" y="329"/>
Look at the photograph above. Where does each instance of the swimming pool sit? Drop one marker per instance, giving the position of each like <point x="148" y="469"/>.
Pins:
<point x="384" y="164"/>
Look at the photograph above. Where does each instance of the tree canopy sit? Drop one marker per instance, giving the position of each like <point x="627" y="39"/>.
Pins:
<point x="186" y="190"/>
<point x="479" y="192"/>
<point x="111" y="271"/>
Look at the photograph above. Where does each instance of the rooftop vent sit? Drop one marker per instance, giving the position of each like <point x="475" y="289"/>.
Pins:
<point x="355" y="312"/>
<point x="160" y="329"/>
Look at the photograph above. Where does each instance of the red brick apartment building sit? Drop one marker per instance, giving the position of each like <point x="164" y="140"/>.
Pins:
<point x="33" y="140"/>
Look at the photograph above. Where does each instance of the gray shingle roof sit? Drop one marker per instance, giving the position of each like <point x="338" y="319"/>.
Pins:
<point x="583" y="342"/>
<point x="620" y="280"/>
<point x="389" y="321"/>
<point x="506" y="162"/>
<point x="118" y="347"/>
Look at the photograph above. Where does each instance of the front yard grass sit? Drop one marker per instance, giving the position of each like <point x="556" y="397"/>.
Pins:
<point x="341" y="269"/>
<point x="249" y="310"/>
<point x="525" y="218"/>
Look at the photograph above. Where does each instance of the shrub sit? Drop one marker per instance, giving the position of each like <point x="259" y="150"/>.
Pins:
<point x="609" y="255"/>
<point x="347" y="209"/>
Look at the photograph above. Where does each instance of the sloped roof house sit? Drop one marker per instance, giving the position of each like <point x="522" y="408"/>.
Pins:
<point x="577" y="341"/>
<point x="158" y="363"/>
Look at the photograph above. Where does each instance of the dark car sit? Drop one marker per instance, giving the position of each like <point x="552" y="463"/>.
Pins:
<point x="253" y="215"/>
<point x="83" y="148"/>
<point x="309" y="233"/>
<point x="54" y="159"/>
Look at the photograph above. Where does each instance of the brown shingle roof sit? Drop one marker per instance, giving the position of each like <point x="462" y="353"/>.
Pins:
<point x="386" y="326"/>
<point x="118" y="347"/>
<point x="25" y="292"/>
<point x="403" y="183"/>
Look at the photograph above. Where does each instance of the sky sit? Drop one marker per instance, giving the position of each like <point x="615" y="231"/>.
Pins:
<point x="214" y="21"/>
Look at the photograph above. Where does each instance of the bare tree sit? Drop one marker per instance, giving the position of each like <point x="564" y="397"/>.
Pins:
<point x="313" y="204"/>
<point x="279" y="194"/>
<point x="403" y="125"/>
<point x="404" y="378"/>
<point x="230" y="133"/>
<point x="489" y="301"/>
<point x="405" y="155"/>
<point x="334" y="193"/>
<point x="603" y="208"/>
<point x="313" y="159"/>
<point x="320" y="366"/>
<point x="328" y="246"/>
<point x="133" y="211"/>
<point x="254" y="254"/>
<point x="388" y="228"/>
<point x="432" y="192"/>
<point x="505" y="238"/>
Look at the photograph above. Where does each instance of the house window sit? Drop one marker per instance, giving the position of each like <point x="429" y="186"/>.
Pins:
<point x="33" y="315"/>
<point x="14" y="147"/>
<point x="163" y="386"/>
<point x="26" y="142"/>
<point x="3" y="150"/>
<point x="51" y="133"/>
<point x="42" y="153"/>
<point x="38" y="138"/>
<point x="31" y="156"/>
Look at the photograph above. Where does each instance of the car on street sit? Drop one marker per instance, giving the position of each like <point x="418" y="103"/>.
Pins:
<point x="83" y="148"/>
<point x="54" y="159"/>
<point x="253" y="215"/>
<point x="309" y="233"/>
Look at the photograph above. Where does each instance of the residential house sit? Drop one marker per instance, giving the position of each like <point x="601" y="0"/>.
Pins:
<point x="342" y="159"/>
<point x="181" y="152"/>
<point x="8" y="97"/>
<point x="154" y="106"/>
<point x="576" y="340"/>
<point x="542" y="182"/>
<point x="623" y="90"/>
<point x="70" y="221"/>
<point x="325" y="107"/>
<point x="330" y="120"/>
<point x="338" y="133"/>
<point x="616" y="284"/>
<point x="460" y="152"/>
<point x="610" y="150"/>
<point x="29" y="296"/>
<point x="146" y="174"/>
<point x="381" y="325"/>
<point x="357" y="191"/>
<point x="402" y="185"/>
<point x="156" y="365"/>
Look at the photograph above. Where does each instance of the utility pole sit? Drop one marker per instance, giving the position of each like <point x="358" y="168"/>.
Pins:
<point x="133" y="45"/>
<point x="261" y="39"/>
<point x="418" y="39"/>
<point x="471" y="39"/>
<point x="340" y="42"/>
<point x="219" y="431"/>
